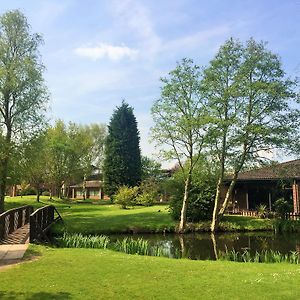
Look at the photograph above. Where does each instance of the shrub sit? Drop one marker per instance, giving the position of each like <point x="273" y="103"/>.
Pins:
<point x="202" y="193"/>
<point x="262" y="211"/>
<point x="125" y="196"/>
<point x="45" y="193"/>
<point x="29" y="191"/>
<point x="282" y="207"/>
<point x="146" y="198"/>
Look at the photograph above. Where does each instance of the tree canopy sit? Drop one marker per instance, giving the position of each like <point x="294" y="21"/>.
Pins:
<point x="252" y="109"/>
<point x="122" y="163"/>
<point x="179" y="122"/>
<point x="23" y="95"/>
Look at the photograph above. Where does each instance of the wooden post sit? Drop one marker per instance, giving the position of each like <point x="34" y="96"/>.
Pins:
<point x="270" y="201"/>
<point x="296" y="197"/>
<point x="247" y="200"/>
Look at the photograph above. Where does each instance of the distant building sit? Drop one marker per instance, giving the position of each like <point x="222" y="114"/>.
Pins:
<point x="90" y="188"/>
<point x="265" y="186"/>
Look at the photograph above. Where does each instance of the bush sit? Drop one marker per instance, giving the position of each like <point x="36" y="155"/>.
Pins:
<point x="27" y="192"/>
<point x="146" y="198"/>
<point x="202" y="193"/>
<point x="282" y="207"/>
<point x="149" y="191"/>
<point x="125" y="196"/>
<point x="262" y="211"/>
<point x="45" y="193"/>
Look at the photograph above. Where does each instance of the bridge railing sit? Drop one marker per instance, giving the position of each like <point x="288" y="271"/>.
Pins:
<point x="13" y="219"/>
<point x="41" y="220"/>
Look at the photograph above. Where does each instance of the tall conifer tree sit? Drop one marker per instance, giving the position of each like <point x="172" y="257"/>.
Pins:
<point x="122" y="164"/>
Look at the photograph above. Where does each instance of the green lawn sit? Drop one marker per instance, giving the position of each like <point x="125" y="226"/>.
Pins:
<point x="104" y="218"/>
<point x="104" y="274"/>
<point x="99" y="218"/>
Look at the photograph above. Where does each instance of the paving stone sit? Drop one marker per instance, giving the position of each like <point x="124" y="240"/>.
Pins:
<point x="11" y="252"/>
<point x="2" y="253"/>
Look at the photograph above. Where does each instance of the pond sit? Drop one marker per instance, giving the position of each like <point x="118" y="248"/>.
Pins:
<point x="206" y="246"/>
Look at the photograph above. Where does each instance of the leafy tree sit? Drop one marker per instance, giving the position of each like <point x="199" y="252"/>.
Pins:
<point x="97" y="135"/>
<point x="34" y="163"/>
<point x="202" y="193"/>
<point x="23" y="96"/>
<point x="69" y="154"/>
<point x="122" y="163"/>
<point x="150" y="168"/>
<point x="250" y="108"/>
<point x="179" y="123"/>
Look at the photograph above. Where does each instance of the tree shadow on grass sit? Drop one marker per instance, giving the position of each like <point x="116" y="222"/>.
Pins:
<point x="34" y="296"/>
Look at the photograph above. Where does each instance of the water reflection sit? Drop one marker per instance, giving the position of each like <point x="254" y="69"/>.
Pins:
<point x="208" y="246"/>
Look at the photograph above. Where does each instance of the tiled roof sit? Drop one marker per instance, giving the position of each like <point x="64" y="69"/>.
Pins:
<point x="88" y="184"/>
<point x="286" y="170"/>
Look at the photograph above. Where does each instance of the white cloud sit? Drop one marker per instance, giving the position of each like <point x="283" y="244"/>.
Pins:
<point x="200" y="38"/>
<point x="136" y="18"/>
<point x="104" y="50"/>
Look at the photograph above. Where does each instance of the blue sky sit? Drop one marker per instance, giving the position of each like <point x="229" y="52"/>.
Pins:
<point x="97" y="53"/>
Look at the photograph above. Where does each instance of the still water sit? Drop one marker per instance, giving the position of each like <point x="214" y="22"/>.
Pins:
<point x="205" y="246"/>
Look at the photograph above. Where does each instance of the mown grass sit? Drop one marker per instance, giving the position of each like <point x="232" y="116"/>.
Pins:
<point x="104" y="274"/>
<point x="103" y="218"/>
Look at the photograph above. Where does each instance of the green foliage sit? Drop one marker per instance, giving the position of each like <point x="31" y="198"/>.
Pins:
<point x="262" y="211"/>
<point x="265" y="256"/>
<point x="126" y="196"/>
<point x="150" y="168"/>
<point x="127" y="245"/>
<point x="282" y="207"/>
<point x="71" y="150"/>
<point x="180" y="117"/>
<point x="132" y="246"/>
<point x="252" y="106"/>
<point x="138" y="246"/>
<point x="23" y="94"/>
<point x="201" y="195"/>
<point x="78" y="240"/>
<point x="122" y="163"/>
<point x="281" y="225"/>
<point x="146" y="198"/>
<point x="149" y="191"/>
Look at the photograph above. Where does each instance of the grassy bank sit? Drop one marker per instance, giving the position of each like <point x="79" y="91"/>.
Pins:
<point x="88" y="218"/>
<point x="103" y="218"/>
<point x="104" y="274"/>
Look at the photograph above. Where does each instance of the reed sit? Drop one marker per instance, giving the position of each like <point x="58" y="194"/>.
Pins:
<point x="265" y="256"/>
<point x="78" y="240"/>
<point x="132" y="246"/>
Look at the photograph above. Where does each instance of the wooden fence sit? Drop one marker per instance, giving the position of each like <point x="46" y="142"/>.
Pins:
<point x="254" y="213"/>
<point x="13" y="219"/>
<point x="246" y="213"/>
<point x="40" y="222"/>
<point x="292" y="216"/>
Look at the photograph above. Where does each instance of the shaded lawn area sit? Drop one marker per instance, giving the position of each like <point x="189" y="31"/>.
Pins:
<point x="104" y="274"/>
<point x="103" y="218"/>
<point x="100" y="218"/>
<point x="110" y="219"/>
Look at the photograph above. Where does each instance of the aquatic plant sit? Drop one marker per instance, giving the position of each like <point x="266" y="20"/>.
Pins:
<point x="78" y="240"/>
<point x="265" y="256"/>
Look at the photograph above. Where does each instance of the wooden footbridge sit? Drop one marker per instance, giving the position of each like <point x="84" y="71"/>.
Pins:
<point x="23" y="224"/>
